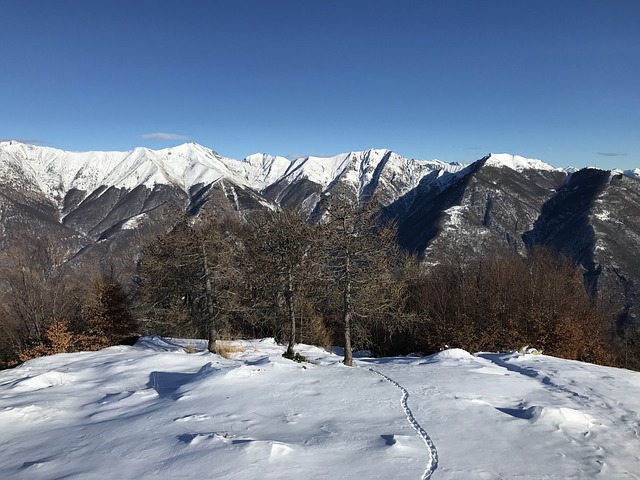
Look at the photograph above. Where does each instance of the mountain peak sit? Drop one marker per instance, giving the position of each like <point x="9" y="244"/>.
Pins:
<point x="635" y="173"/>
<point x="517" y="163"/>
<point x="189" y="148"/>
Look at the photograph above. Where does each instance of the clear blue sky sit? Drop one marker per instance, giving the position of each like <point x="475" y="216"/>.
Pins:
<point x="557" y="80"/>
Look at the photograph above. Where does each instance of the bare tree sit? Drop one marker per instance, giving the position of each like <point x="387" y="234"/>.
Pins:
<point x="35" y="298"/>
<point x="502" y="301"/>
<point x="196" y="264"/>
<point x="280" y="245"/>
<point x="358" y="256"/>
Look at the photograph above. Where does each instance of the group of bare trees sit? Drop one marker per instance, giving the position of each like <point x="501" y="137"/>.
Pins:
<point x="340" y="281"/>
<point x="274" y="275"/>
<point x="44" y="309"/>
<point x="501" y="301"/>
<point x="344" y="281"/>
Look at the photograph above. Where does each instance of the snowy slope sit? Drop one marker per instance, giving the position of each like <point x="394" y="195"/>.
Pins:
<point x="154" y="411"/>
<point x="360" y="169"/>
<point x="378" y="172"/>
<point x="57" y="172"/>
<point x="260" y="170"/>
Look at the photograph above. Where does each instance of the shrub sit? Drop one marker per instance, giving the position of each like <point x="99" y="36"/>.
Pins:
<point x="295" y="356"/>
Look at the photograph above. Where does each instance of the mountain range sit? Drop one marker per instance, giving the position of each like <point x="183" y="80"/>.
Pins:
<point x="101" y="206"/>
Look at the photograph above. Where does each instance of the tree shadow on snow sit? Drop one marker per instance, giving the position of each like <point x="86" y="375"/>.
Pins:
<point x="497" y="359"/>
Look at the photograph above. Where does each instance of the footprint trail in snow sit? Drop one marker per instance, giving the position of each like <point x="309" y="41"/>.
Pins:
<point x="432" y="462"/>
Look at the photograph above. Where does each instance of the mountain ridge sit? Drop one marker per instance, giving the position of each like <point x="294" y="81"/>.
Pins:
<point x="100" y="204"/>
<point x="55" y="169"/>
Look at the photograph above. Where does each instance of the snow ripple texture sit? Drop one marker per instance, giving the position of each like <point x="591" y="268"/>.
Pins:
<point x="432" y="463"/>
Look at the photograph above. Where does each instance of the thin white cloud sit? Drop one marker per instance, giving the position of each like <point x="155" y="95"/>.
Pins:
<point x="612" y="154"/>
<point x="165" y="136"/>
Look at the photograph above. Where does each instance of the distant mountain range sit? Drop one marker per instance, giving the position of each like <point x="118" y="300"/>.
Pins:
<point x="101" y="206"/>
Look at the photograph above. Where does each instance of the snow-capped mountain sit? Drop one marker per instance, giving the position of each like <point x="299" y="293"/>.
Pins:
<point x="97" y="205"/>
<point x="57" y="172"/>
<point x="82" y="189"/>
<point x="517" y="163"/>
<point x="91" y="204"/>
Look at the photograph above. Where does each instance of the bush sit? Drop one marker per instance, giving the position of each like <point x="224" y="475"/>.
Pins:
<point x="295" y="356"/>
<point x="58" y="339"/>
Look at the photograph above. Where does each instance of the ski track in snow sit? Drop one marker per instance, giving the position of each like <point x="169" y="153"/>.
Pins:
<point x="432" y="462"/>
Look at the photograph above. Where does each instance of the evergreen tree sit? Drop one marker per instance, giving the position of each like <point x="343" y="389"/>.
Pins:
<point x="109" y="317"/>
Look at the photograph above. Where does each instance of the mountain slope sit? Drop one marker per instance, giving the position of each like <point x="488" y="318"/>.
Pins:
<point x="493" y="201"/>
<point x="97" y="205"/>
<point x="83" y="199"/>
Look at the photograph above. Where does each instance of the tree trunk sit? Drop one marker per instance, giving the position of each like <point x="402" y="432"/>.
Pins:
<point x="213" y="336"/>
<point x="346" y="318"/>
<point x="213" y="330"/>
<point x="291" y="313"/>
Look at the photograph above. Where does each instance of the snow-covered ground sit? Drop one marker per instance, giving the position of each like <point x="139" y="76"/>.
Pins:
<point x="155" y="411"/>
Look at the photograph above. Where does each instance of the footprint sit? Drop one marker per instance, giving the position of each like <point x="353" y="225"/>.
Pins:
<point x="388" y="439"/>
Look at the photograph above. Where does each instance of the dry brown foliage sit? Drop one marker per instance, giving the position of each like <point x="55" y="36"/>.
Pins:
<point x="503" y="301"/>
<point x="58" y="339"/>
<point x="226" y="349"/>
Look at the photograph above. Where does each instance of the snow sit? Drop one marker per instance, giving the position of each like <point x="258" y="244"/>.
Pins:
<point x="518" y="163"/>
<point x="55" y="172"/>
<point x="604" y="215"/>
<point x="133" y="222"/>
<point x="261" y="170"/>
<point x="321" y="170"/>
<point x="155" y="411"/>
<point x="635" y="173"/>
<point x="455" y="214"/>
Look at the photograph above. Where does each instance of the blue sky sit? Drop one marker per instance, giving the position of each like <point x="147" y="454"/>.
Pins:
<point x="557" y="80"/>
